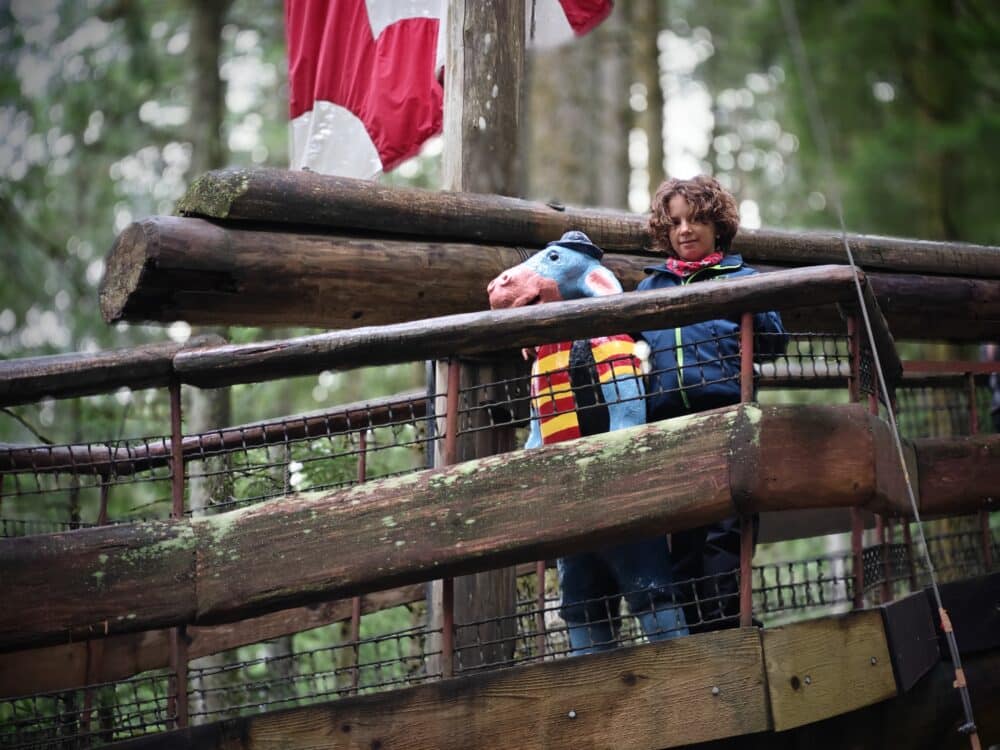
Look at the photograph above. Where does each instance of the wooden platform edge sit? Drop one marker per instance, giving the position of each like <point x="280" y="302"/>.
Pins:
<point x="695" y="689"/>
<point x="821" y="668"/>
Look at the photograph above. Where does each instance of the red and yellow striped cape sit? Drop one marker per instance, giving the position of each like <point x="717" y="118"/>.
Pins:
<point x="551" y="388"/>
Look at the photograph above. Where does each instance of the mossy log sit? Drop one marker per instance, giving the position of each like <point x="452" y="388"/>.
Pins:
<point x="166" y="268"/>
<point x="311" y="199"/>
<point x="477" y="515"/>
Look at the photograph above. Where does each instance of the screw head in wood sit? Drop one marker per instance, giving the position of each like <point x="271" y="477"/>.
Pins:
<point x="572" y="713"/>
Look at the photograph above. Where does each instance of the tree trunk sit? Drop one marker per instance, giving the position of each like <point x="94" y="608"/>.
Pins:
<point x="646" y="23"/>
<point x="208" y="409"/>
<point x="577" y="123"/>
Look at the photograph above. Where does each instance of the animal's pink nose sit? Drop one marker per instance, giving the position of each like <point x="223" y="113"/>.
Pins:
<point x="501" y="280"/>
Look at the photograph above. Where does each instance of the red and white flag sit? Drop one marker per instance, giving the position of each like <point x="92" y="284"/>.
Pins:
<point x="365" y="76"/>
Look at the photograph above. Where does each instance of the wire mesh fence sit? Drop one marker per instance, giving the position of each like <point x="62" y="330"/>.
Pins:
<point x="48" y="488"/>
<point x="399" y="647"/>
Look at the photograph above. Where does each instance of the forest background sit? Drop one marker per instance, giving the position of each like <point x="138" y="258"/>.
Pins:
<point x="110" y="108"/>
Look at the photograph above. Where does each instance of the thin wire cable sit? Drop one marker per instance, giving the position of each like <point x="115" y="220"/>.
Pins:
<point x="818" y="125"/>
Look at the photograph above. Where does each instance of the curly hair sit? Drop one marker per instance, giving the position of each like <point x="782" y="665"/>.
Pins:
<point x="710" y="203"/>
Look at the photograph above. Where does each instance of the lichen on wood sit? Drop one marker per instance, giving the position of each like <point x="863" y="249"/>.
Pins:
<point x="213" y="194"/>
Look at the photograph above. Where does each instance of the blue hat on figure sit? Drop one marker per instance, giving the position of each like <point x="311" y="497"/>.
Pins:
<point x="576" y="240"/>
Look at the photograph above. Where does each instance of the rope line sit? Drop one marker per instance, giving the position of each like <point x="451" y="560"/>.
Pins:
<point x="820" y="133"/>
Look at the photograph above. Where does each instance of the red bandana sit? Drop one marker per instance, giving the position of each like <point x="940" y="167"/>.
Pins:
<point x="688" y="267"/>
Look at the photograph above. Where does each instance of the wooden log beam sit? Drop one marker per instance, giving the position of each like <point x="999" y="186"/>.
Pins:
<point x="310" y="199"/>
<point x="958" y="470"/>
<point x="464" y="518"/>
<point x="163" y="269"/>
<point x="31" y="379"/>
<point x="659" y="695"/>
<point x="472" y="333"/>
<point x="125" y="461"/>
<point x="168" y="268"/>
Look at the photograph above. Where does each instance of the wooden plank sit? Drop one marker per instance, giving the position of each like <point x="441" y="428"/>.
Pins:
<point x="312" y="199"/>
<point x="913" y="642"/>
<point x="511" y="329"/>
<point x="926" y="718"/>
<point x="826" y="667"/>
<point x="669" y="694"/>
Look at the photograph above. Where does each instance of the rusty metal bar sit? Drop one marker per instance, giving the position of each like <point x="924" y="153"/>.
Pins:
<point x="95" y="657"/>
<point x="176" y="451"/>
<point x="746" y="358"/>
<point x="447" y="627"/>
<point x="984" y="516"/>
<point x="746" y="570"/>
<point x="885" y="588"/>
<point x="450" y="456"/>
<point x="910" y="564"/>
<point x="355" y="634"/>
<point x="540" y="609"/>
<point x="178" y="635"/>
<point x="177" y="703"/>
<point x="746" y="520"/>
<point x="857" y="556"/>
<point x="102" y="513"/>
<point x="854" y="342"/>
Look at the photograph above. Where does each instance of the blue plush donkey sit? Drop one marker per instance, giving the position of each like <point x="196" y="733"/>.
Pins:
<point x="584" y="388"/>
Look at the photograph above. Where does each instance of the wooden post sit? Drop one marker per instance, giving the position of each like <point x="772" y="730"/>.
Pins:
<point x="485" y="64"/>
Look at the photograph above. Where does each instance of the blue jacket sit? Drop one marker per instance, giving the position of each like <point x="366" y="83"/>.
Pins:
<point x="697" y="367"/>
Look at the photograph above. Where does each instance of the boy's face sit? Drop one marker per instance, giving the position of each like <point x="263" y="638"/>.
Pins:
<point x="691" y="240"/>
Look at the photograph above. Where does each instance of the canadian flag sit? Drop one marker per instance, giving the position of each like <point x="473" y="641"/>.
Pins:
<point x="365" y="76"/>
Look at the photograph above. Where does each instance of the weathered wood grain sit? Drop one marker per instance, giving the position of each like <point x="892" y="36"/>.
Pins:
<point x="477" y="515"/>
<point x="510" y="329"/>
<point x="31" y="379"/>
<point x="472" y="516"/>
<point x="306" y="198"/>
<point x="951" y="470"/>
<point x="926" y="718"/>
<point x="166" y="268"/>
<point x="652" y="696"/>
<point x="827" y="667"/>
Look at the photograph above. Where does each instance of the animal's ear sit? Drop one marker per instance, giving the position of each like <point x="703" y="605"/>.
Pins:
<point x="601" y="282"/>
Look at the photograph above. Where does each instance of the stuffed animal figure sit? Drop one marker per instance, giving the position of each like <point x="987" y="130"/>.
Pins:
<point x="582" y="388"/>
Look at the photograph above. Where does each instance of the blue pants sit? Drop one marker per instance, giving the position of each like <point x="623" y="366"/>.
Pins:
<point x="593" y="584"/>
